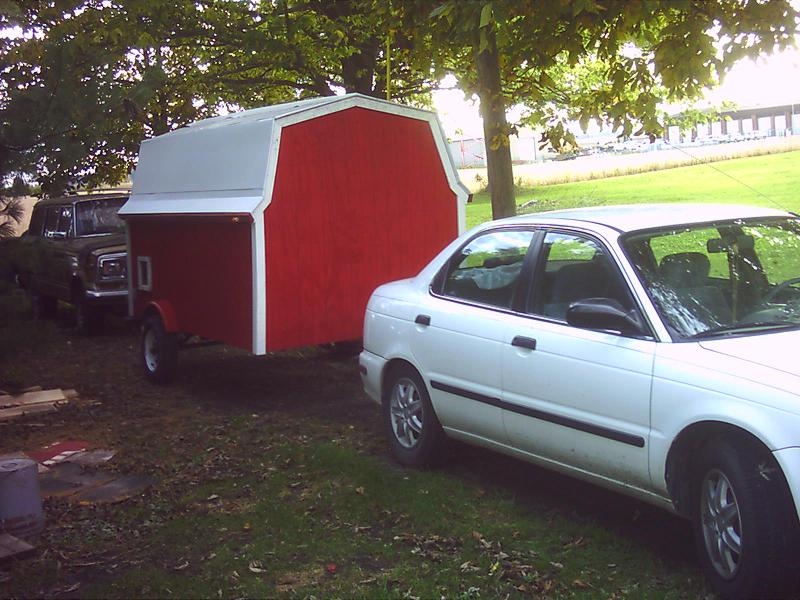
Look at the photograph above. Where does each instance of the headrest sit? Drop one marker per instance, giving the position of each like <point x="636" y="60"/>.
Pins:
<point x="685" y="269"/>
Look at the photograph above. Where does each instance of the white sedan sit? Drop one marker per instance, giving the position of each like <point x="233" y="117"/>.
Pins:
<point x="652" y="349"/>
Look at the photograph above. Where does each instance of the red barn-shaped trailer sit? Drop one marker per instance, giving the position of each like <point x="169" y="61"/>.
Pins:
<point x="268" y="229"/>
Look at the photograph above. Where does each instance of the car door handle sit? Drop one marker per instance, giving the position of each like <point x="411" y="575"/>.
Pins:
<point x="524" y="342"/>
<point x="423" y="320"/>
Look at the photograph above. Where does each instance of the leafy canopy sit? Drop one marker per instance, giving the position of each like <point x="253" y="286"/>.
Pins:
<point x="610" y="60"/>
<point x="84" y="81"/>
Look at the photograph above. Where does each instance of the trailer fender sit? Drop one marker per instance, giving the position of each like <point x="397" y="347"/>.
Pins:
<point x="164" y="310"/>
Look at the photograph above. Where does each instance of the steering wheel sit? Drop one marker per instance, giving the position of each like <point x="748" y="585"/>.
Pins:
<point x="774" y="292"/>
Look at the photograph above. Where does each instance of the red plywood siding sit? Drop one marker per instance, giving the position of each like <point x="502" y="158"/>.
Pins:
<point x="360" y="198"/>
<point x="202" y="266"/>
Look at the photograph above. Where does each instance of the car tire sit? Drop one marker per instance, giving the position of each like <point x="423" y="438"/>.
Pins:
<point x="87" y="317"/>
<point x="43" y="307"/>
<point x="744" y="521"/>
<point x="415" y="434"/>
<point x="158" y="351"/>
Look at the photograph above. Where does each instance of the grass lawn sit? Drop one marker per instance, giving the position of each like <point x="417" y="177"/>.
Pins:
<point x="770" y="180"/>
<point x="271" y="478"/>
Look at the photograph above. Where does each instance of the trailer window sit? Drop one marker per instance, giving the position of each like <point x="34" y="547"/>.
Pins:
<point x="144" y="274"/>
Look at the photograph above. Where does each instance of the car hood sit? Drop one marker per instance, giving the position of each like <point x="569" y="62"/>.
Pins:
<point x="108" y="243"/>
<point x="771" y="350"/>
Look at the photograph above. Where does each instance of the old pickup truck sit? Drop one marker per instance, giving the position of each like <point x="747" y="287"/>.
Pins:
<point x="74" y="251"/>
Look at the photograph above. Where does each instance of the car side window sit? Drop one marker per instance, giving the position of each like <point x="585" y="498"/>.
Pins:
<point x="574" y="267"/>
<point x="488" y="268"/>
<point x="59" y="222"/>
<point x="37" y="222"/>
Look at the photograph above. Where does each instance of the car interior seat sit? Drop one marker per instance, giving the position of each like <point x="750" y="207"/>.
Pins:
<point x="687" y="274"/>
<point x="578" y="281"/>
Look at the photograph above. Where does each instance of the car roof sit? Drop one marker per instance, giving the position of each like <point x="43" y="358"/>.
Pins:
<point x="635" y="217"/>
<point x="81" y="197"/>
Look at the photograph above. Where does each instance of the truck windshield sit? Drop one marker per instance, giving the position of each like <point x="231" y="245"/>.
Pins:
<point x="98" y="217"/>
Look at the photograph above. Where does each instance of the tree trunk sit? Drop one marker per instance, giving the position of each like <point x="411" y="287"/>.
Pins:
<point x="495" y="128"/>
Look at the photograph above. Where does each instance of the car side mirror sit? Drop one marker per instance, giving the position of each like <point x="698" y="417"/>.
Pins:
<point x="605" y="314"/>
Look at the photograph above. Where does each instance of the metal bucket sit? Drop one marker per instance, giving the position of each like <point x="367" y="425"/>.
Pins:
<point x="20" y="500"/>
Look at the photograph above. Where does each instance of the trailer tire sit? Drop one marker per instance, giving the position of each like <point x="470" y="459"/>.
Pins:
<point x="158" y="351"/>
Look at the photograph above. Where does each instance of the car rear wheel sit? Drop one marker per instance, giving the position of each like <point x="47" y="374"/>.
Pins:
<point x="746" y="530"/>
<point x="414" y="431"/>
<point x="159" y="351"/>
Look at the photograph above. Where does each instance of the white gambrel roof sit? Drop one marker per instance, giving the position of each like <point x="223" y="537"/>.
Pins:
<point x="227" y="164"/>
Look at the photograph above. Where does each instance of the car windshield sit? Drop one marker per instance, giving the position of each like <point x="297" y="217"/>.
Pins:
<point x="98" y="217"/>
<point x="730" y="278"/>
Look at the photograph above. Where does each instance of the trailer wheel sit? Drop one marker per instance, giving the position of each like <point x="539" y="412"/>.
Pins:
<point x="159" y="351"/>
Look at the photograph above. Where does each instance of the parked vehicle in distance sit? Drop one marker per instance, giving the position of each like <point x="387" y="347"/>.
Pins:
<point x="650" y="349"/>
<point x="74" y="251"/>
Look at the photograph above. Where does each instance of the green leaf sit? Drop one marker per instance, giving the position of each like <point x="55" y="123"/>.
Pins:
<point x="486" y="15"/>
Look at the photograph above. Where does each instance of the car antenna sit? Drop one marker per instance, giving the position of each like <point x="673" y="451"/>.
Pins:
<point x="711" y="166"/>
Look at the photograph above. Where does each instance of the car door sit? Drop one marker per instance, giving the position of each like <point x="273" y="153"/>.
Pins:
<point x="56" y="261"/>
<point x="459" y="332"/>
<point x="577" y="397"/>
<point x="29" y="246"/>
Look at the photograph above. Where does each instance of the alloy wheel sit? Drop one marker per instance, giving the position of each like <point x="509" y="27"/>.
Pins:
<point x="721" y="523"/>
<point x="406" y="413"/>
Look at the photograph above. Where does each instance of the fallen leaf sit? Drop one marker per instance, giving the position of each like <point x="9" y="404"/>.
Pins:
<point x="331" y="568"/>
<point x="468" y="567"/>
<point x="576" y="543"/>
<point x="360" y="491"/>
<point x="580" y="584"/>
<point x="182" y="566"/>
<point x="255" y="566"/>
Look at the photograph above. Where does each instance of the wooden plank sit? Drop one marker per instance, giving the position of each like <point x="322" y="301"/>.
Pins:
<point x="13" y="547"/>
<point x="40" y="397"/>
<point x="36" y="401"/>
<point x="7" y="414"/>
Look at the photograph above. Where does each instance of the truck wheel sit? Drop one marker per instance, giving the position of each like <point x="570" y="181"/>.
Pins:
<point x="87" y="317"/>
<point x="745" y="526"/>
<point x="159" y="351"/>
<point x="43" y="307"/>
<point x="414" y="431"/>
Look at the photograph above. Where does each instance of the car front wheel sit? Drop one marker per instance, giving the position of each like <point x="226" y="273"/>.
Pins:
<point x="746" y="529"/>
<point x="43" y="307"/>
<point x="159" y="351"/>
<point x="88" y="318"/>
<point x="412" y="427"/>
